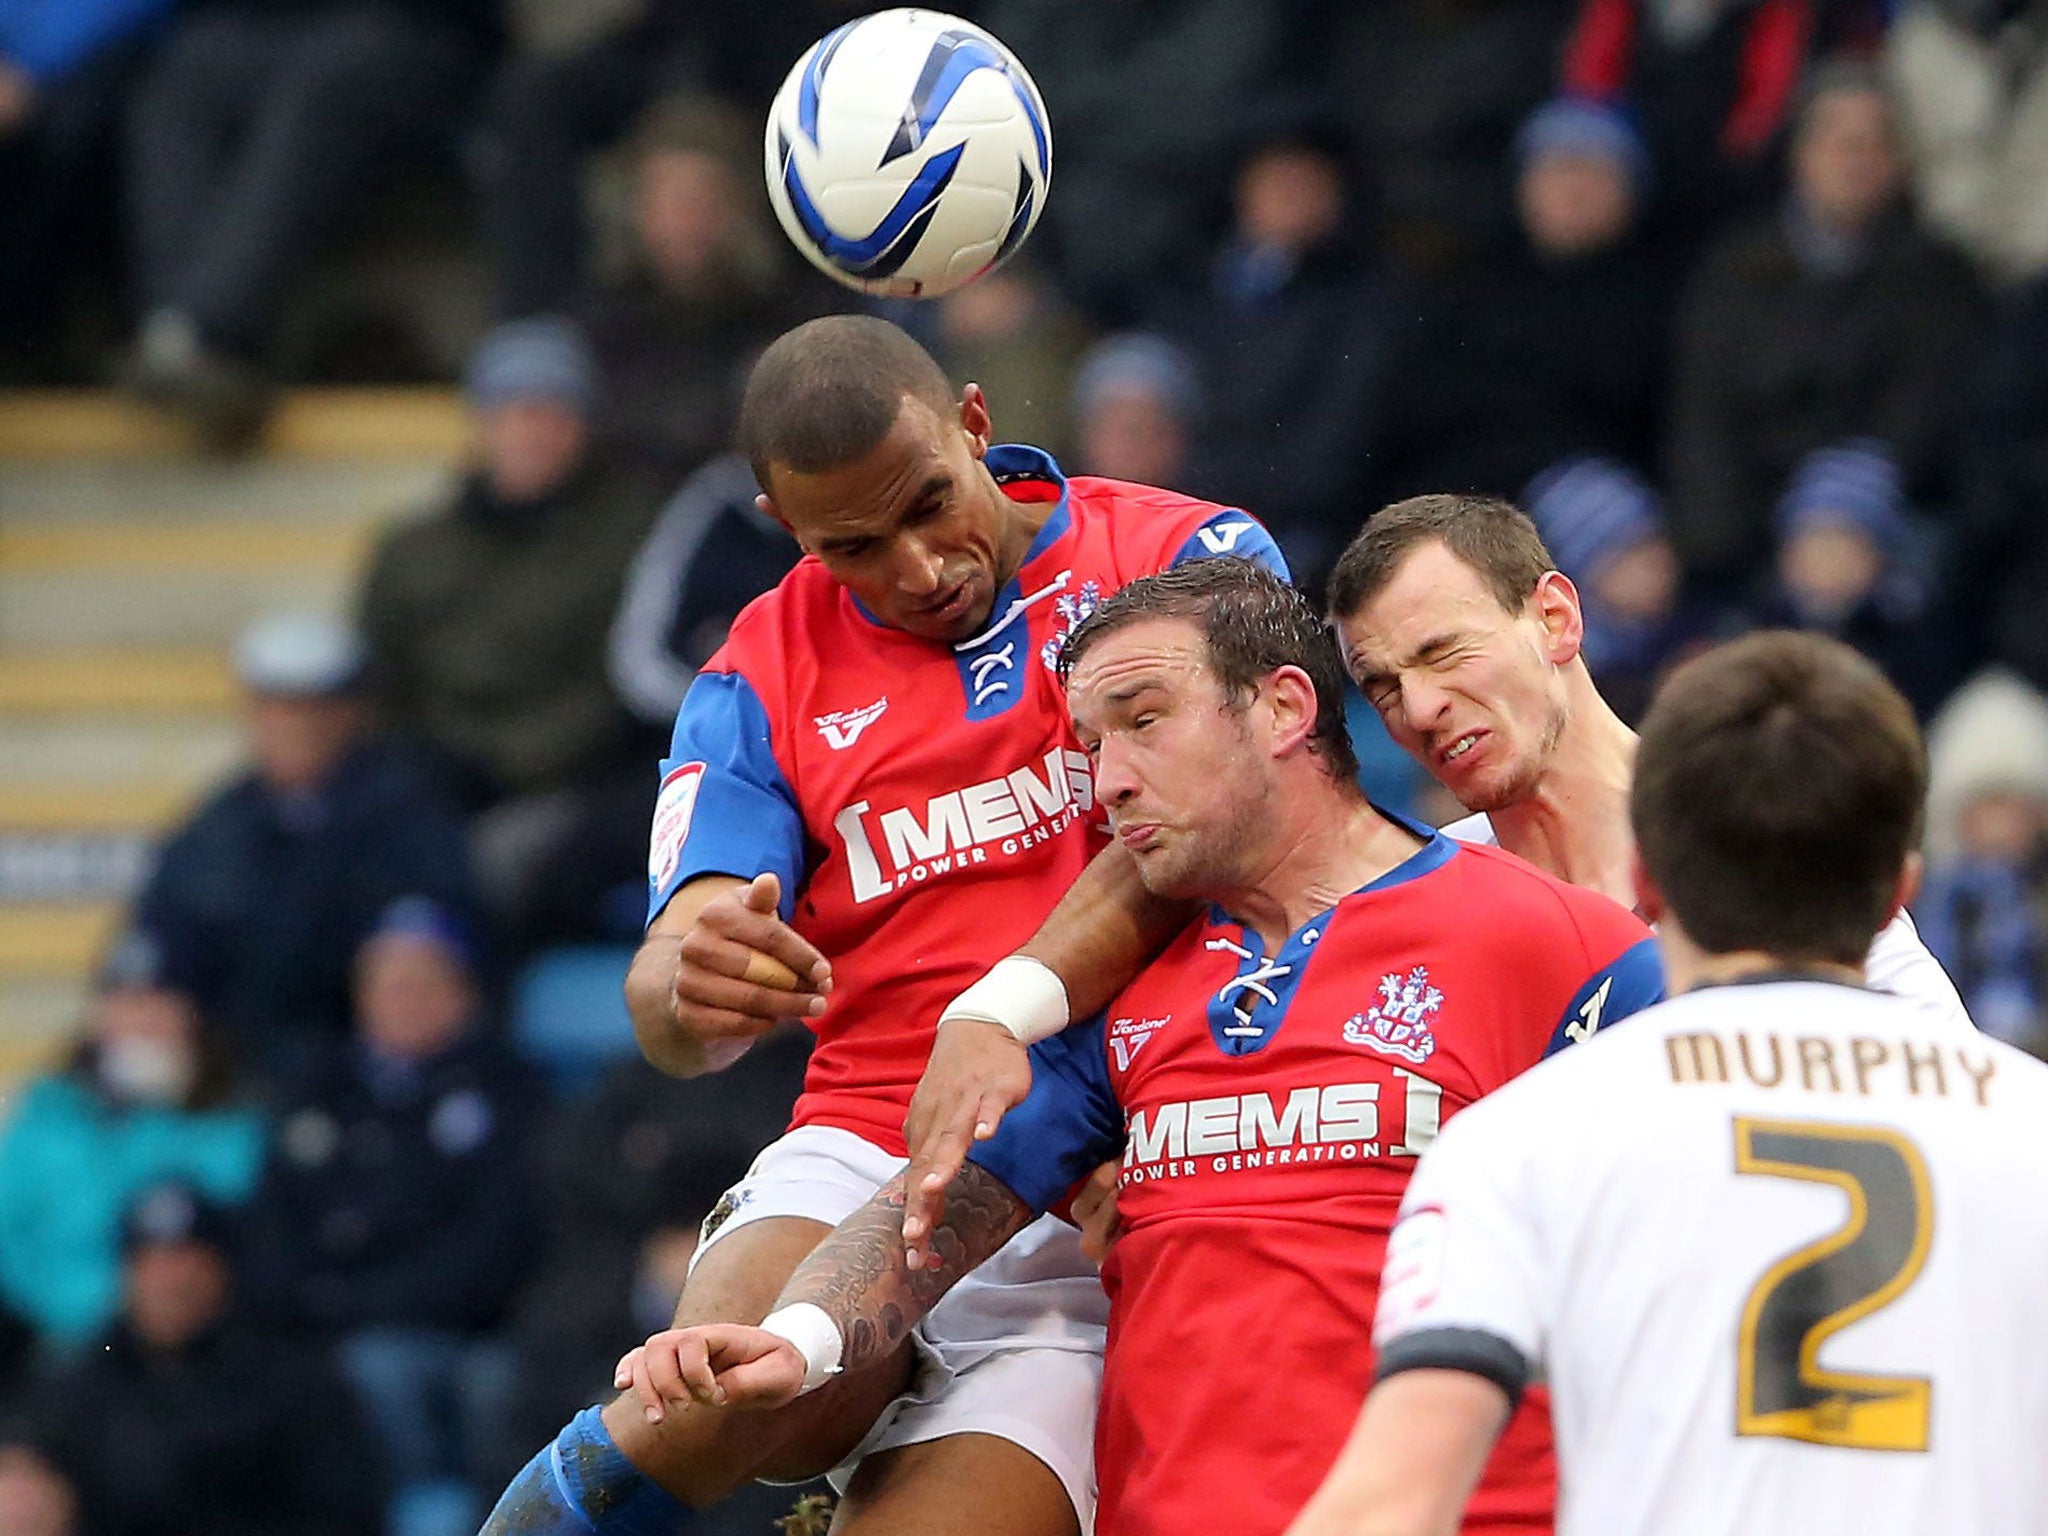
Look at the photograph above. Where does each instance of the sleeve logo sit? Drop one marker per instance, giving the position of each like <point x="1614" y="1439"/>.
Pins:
<point x="1413" y="1272"/>
<point x="1221" y="538"/>
<point x="673" y="808"/>
<point x="1587" y="1020"/>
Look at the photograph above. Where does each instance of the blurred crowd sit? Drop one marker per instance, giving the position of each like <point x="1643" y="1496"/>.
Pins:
<point x="1746" y="301"/>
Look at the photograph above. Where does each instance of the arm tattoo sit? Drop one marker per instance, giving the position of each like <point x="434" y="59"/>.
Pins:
<point x="858" y="1274"/>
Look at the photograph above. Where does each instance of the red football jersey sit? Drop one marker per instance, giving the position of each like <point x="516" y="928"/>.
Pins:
<point x="1269" y="1110"/>
<point x="924" y="804"/>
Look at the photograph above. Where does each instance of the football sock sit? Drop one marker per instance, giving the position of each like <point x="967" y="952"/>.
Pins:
<point x="581" y="1485"/>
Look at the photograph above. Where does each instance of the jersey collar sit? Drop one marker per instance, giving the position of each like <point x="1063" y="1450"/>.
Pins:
<point x="1024" y="473"/>
<point x="1250" y="1007"/>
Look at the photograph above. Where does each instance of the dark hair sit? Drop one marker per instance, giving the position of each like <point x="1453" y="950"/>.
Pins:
<point x="827" y="392"/>
<point x="1252" y="624"/>
<point x="1778" y="790"/>
<point x="1493" y="537"/>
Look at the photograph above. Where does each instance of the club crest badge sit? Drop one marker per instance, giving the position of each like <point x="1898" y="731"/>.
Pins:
<point x="1399" y="1023"/>
<point x="1069" y="609"/>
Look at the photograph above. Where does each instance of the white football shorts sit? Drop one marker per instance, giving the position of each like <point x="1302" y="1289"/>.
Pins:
<point x="1014" y="1350"/>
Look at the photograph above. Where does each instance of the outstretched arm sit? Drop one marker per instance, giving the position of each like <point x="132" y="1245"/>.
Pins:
<point x="848" y="1306"/>
<point x="1414" y="1454"/>
<point x="1090" y="946"/>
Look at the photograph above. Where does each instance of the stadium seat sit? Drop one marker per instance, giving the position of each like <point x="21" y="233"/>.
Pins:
<point x="569" y="1013"/>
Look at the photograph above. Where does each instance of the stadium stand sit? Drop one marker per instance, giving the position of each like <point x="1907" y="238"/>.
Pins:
<point x="127" y="566"/>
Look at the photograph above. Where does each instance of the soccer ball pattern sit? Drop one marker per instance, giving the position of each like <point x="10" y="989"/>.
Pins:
<point x="908" y="152"/>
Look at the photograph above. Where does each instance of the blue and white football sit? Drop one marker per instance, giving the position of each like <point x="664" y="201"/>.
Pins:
<point x="908" y="153"/>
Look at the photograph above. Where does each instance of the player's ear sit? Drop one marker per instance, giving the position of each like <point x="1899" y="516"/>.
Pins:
<point x="1291" y="700"/>
<point x="769" y="509"/>
<point x="1649" y="899"/>
<point x="1558" y="609"/>
<point x="1909" y="884"/>
<point x="974" y="419"/>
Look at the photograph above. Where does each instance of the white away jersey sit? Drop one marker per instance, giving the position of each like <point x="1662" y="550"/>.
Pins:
<point x="1778" y="1247"/>
<point x="1899" y="961"/>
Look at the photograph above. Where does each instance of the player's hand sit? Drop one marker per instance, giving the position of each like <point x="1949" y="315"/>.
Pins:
<point x="1095" y="1212"/>
<point x="739" y="969"/>
<point x="978" y="1072"/>
<point x="721" y="1365"/>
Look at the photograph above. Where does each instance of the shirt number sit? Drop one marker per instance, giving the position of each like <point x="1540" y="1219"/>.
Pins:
<point x="1782" y="1390"/>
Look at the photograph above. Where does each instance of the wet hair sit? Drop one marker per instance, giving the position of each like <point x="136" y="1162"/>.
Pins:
<point x="1778" y="789"/>
<point x="826" y="393"/>
<point x="1494" y="537"/>
<point x="1252" y="624"/>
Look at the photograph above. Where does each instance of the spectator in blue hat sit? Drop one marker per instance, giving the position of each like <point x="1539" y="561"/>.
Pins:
<point x="150" y="1093"/>
<point x="1553" y="346"/>
<point x="269" y="886"/>
<point x="1137" y="405"/>
<point x="1583" y="175"/>
<point x="396" y="1213"/>
<point x="487" y="620"/>
<point x="1605" y="528"/>
<point x="1852" y="562"/>
<point x="182" y="1418"/>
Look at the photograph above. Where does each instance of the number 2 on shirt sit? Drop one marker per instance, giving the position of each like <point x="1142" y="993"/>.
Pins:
<point x="1814" y="1292"/>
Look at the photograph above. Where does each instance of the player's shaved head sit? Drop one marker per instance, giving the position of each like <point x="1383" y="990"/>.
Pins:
<point x="825" y="394"/>
<point x="1252" y="624"/>
<point x="1493" y="537"/>
<point x="1778" y="791"/>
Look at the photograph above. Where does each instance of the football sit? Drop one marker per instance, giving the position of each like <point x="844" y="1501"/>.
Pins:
<point x="908" y="152"/>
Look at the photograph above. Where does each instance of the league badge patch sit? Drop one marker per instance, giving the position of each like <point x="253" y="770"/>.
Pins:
<point x="673" y="808"/>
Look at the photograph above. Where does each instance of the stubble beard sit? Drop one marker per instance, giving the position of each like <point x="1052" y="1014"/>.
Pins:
<point x="1526" y="777"/>
<point x="1207" y="863"/>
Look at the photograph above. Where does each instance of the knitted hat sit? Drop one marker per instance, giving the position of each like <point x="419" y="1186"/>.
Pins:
<point x="538" y="359"/>
<point x="1991" y="736"/>
<point x="1853" y="486"/>
<point x="1578" y="125"/>
<point x="1589" y="510"/>
<point x="1140" y="361"/>
<point x="421" y="917"/>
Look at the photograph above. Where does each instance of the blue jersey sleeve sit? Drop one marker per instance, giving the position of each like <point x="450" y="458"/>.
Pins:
<point x="1233" y="532"/>
<point x="1629" y="983"/>
<point x="725" y="807"/>
<point x="1068" y="1125"/>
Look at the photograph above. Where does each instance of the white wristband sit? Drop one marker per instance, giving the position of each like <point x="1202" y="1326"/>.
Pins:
<point x="1023" y="995"/>
<point x="816" y="1337"/>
